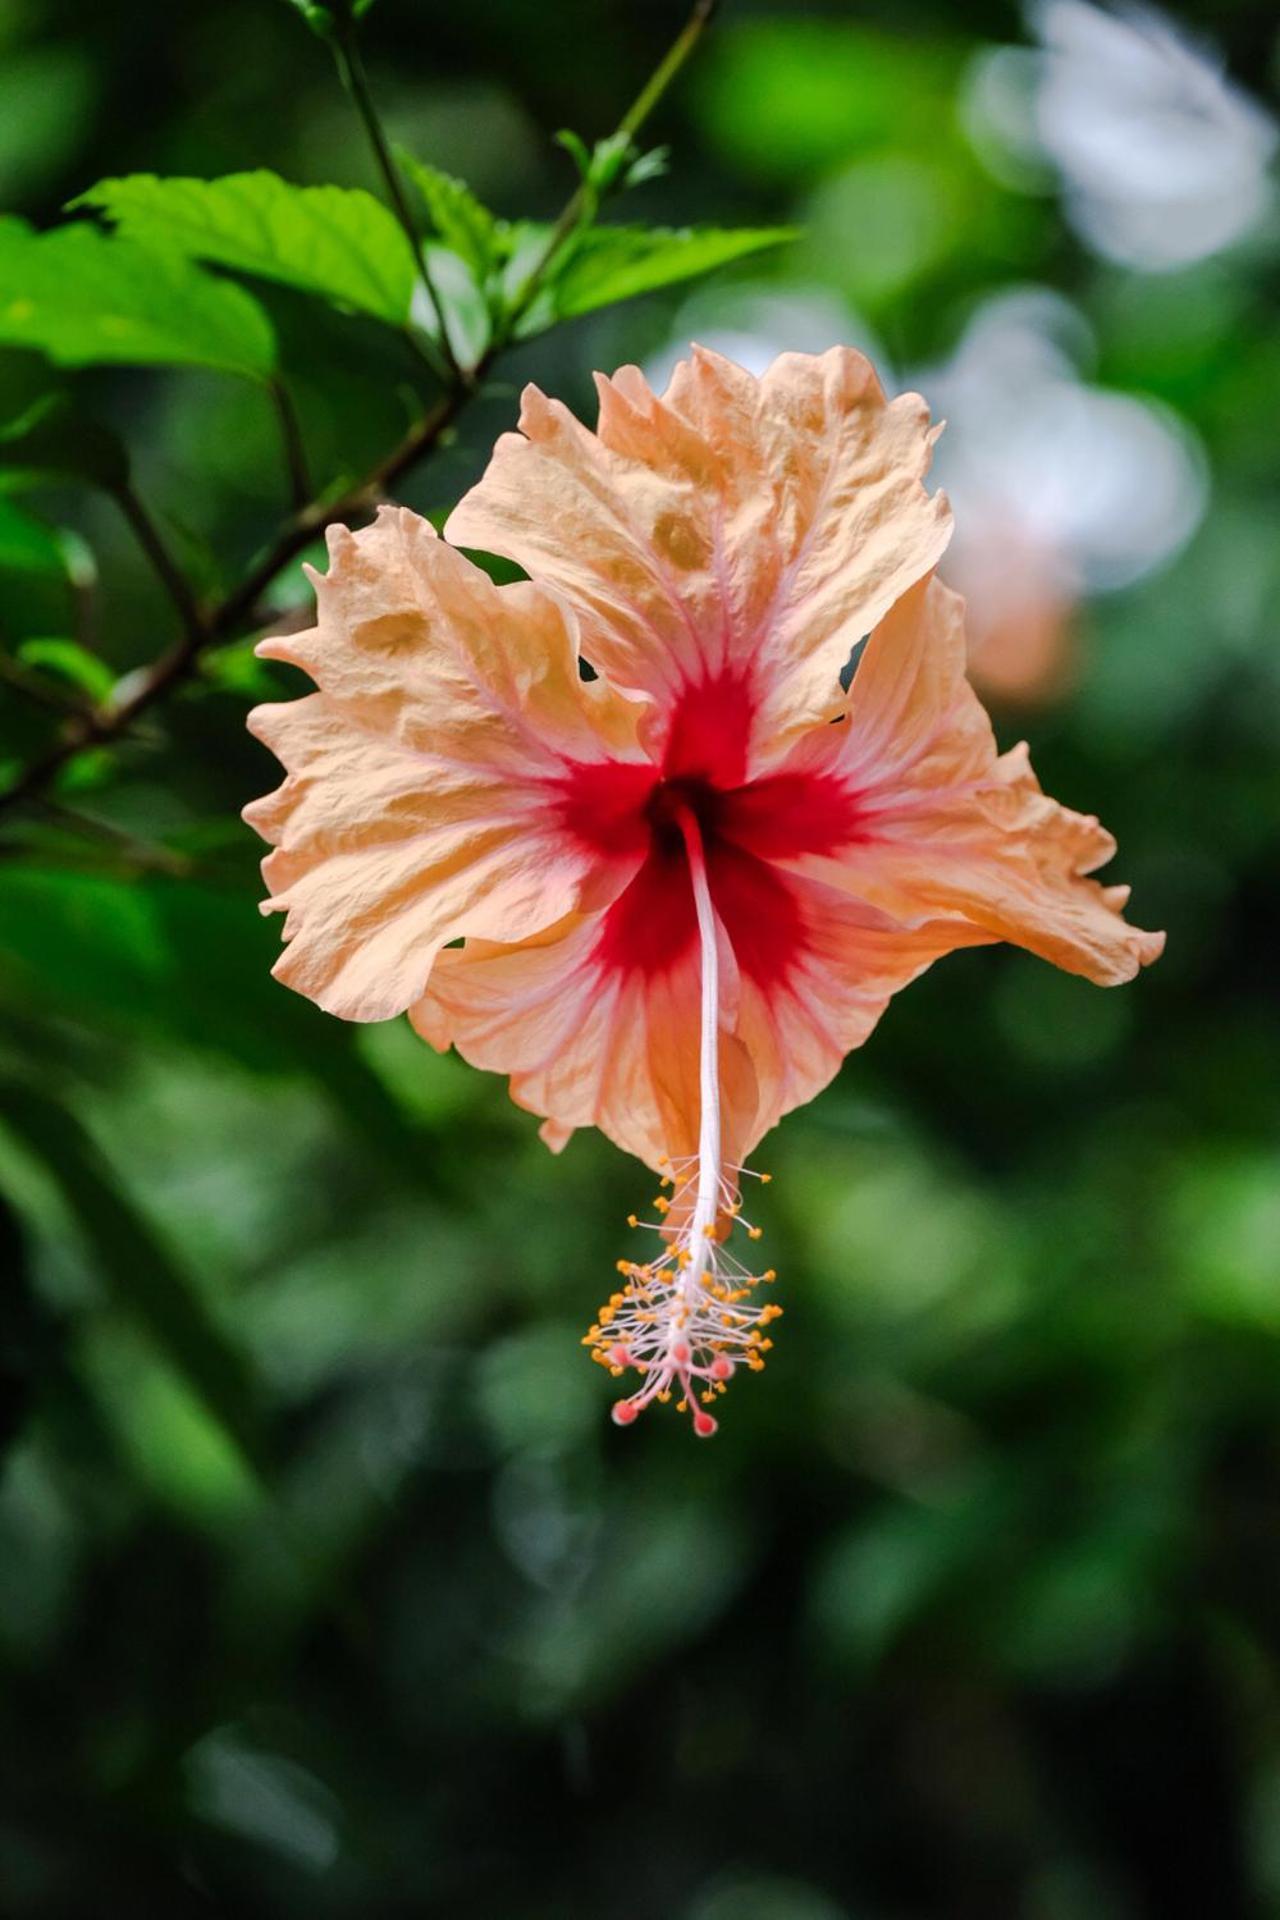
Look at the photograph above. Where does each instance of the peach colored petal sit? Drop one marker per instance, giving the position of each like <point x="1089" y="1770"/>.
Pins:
<point x="419" y="800"/>
<point x="948" y="827"/>
<point x="593" y="1047"/>
<point x="855" y="960"/>
<point x="733" y="528"/>
<point x="583" y="1047"/>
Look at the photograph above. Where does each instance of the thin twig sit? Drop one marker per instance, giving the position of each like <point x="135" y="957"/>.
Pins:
<point x="356" y="80"/>
<point x="203" y="627"/>
<point x="167" y="570"/>
<point x="630" y="124"/>
<point x="291" y="440"/>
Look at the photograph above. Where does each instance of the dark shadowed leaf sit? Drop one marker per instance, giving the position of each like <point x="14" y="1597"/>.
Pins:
<point x="53" y="442"/>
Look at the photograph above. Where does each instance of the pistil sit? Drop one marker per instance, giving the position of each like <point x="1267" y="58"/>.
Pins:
<point x="685" y="1320"/>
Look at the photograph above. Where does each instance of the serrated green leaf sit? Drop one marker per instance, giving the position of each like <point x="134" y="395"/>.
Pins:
<point x="617" y="263"/>
<point x="28" y="545"/>
<point x="465" y="226"/>
<point x="85" y="298"/>
<point x="71" y="662"/>
<point x="338" y="242"/>
<point x="53" y="441"/>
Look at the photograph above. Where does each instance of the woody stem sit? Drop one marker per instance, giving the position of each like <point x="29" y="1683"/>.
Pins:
<point x="707" y="1199"/>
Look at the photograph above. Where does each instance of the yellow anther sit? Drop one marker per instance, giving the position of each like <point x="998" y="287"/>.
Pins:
<point x="632" y="1221"/>
<point x="765" y="1178"/>
<point x="755" y="1233"/>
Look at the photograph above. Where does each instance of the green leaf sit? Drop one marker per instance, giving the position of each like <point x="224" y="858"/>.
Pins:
<point x="29" y="545"/>
<point x="335" y="241"/>
<point x="465" y="226"/>
<point x="616" y="263"/>
<point x="69" y="661"/>
<point x="53" y="441"/>
<point x="84" y="298"/>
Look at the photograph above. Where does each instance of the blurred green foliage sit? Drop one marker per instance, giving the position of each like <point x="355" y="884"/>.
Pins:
<point x="326" y="1587"/>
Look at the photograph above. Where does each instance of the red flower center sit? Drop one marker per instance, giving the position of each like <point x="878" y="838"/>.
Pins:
<point x="747" y="827"/>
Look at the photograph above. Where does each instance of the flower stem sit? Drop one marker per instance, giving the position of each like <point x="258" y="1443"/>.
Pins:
<point x="668" y="67"/>
<point x="356" y="81"/>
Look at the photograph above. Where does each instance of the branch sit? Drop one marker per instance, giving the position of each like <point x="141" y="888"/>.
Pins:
<point x="291" y="440"/>
<point x="203" y="628"/>
<point x="169" y="573"/>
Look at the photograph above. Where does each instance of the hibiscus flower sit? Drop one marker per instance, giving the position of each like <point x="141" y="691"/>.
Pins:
<point x="658" y="832"/>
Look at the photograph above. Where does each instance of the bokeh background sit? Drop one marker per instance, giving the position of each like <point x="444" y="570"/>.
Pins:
<point x="326" y="1586"/>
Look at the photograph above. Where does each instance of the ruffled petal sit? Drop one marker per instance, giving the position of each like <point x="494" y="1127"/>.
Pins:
<point x="943" y="826"/>
<point x="735" y="536"/>
<point x="423" y="799"/>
